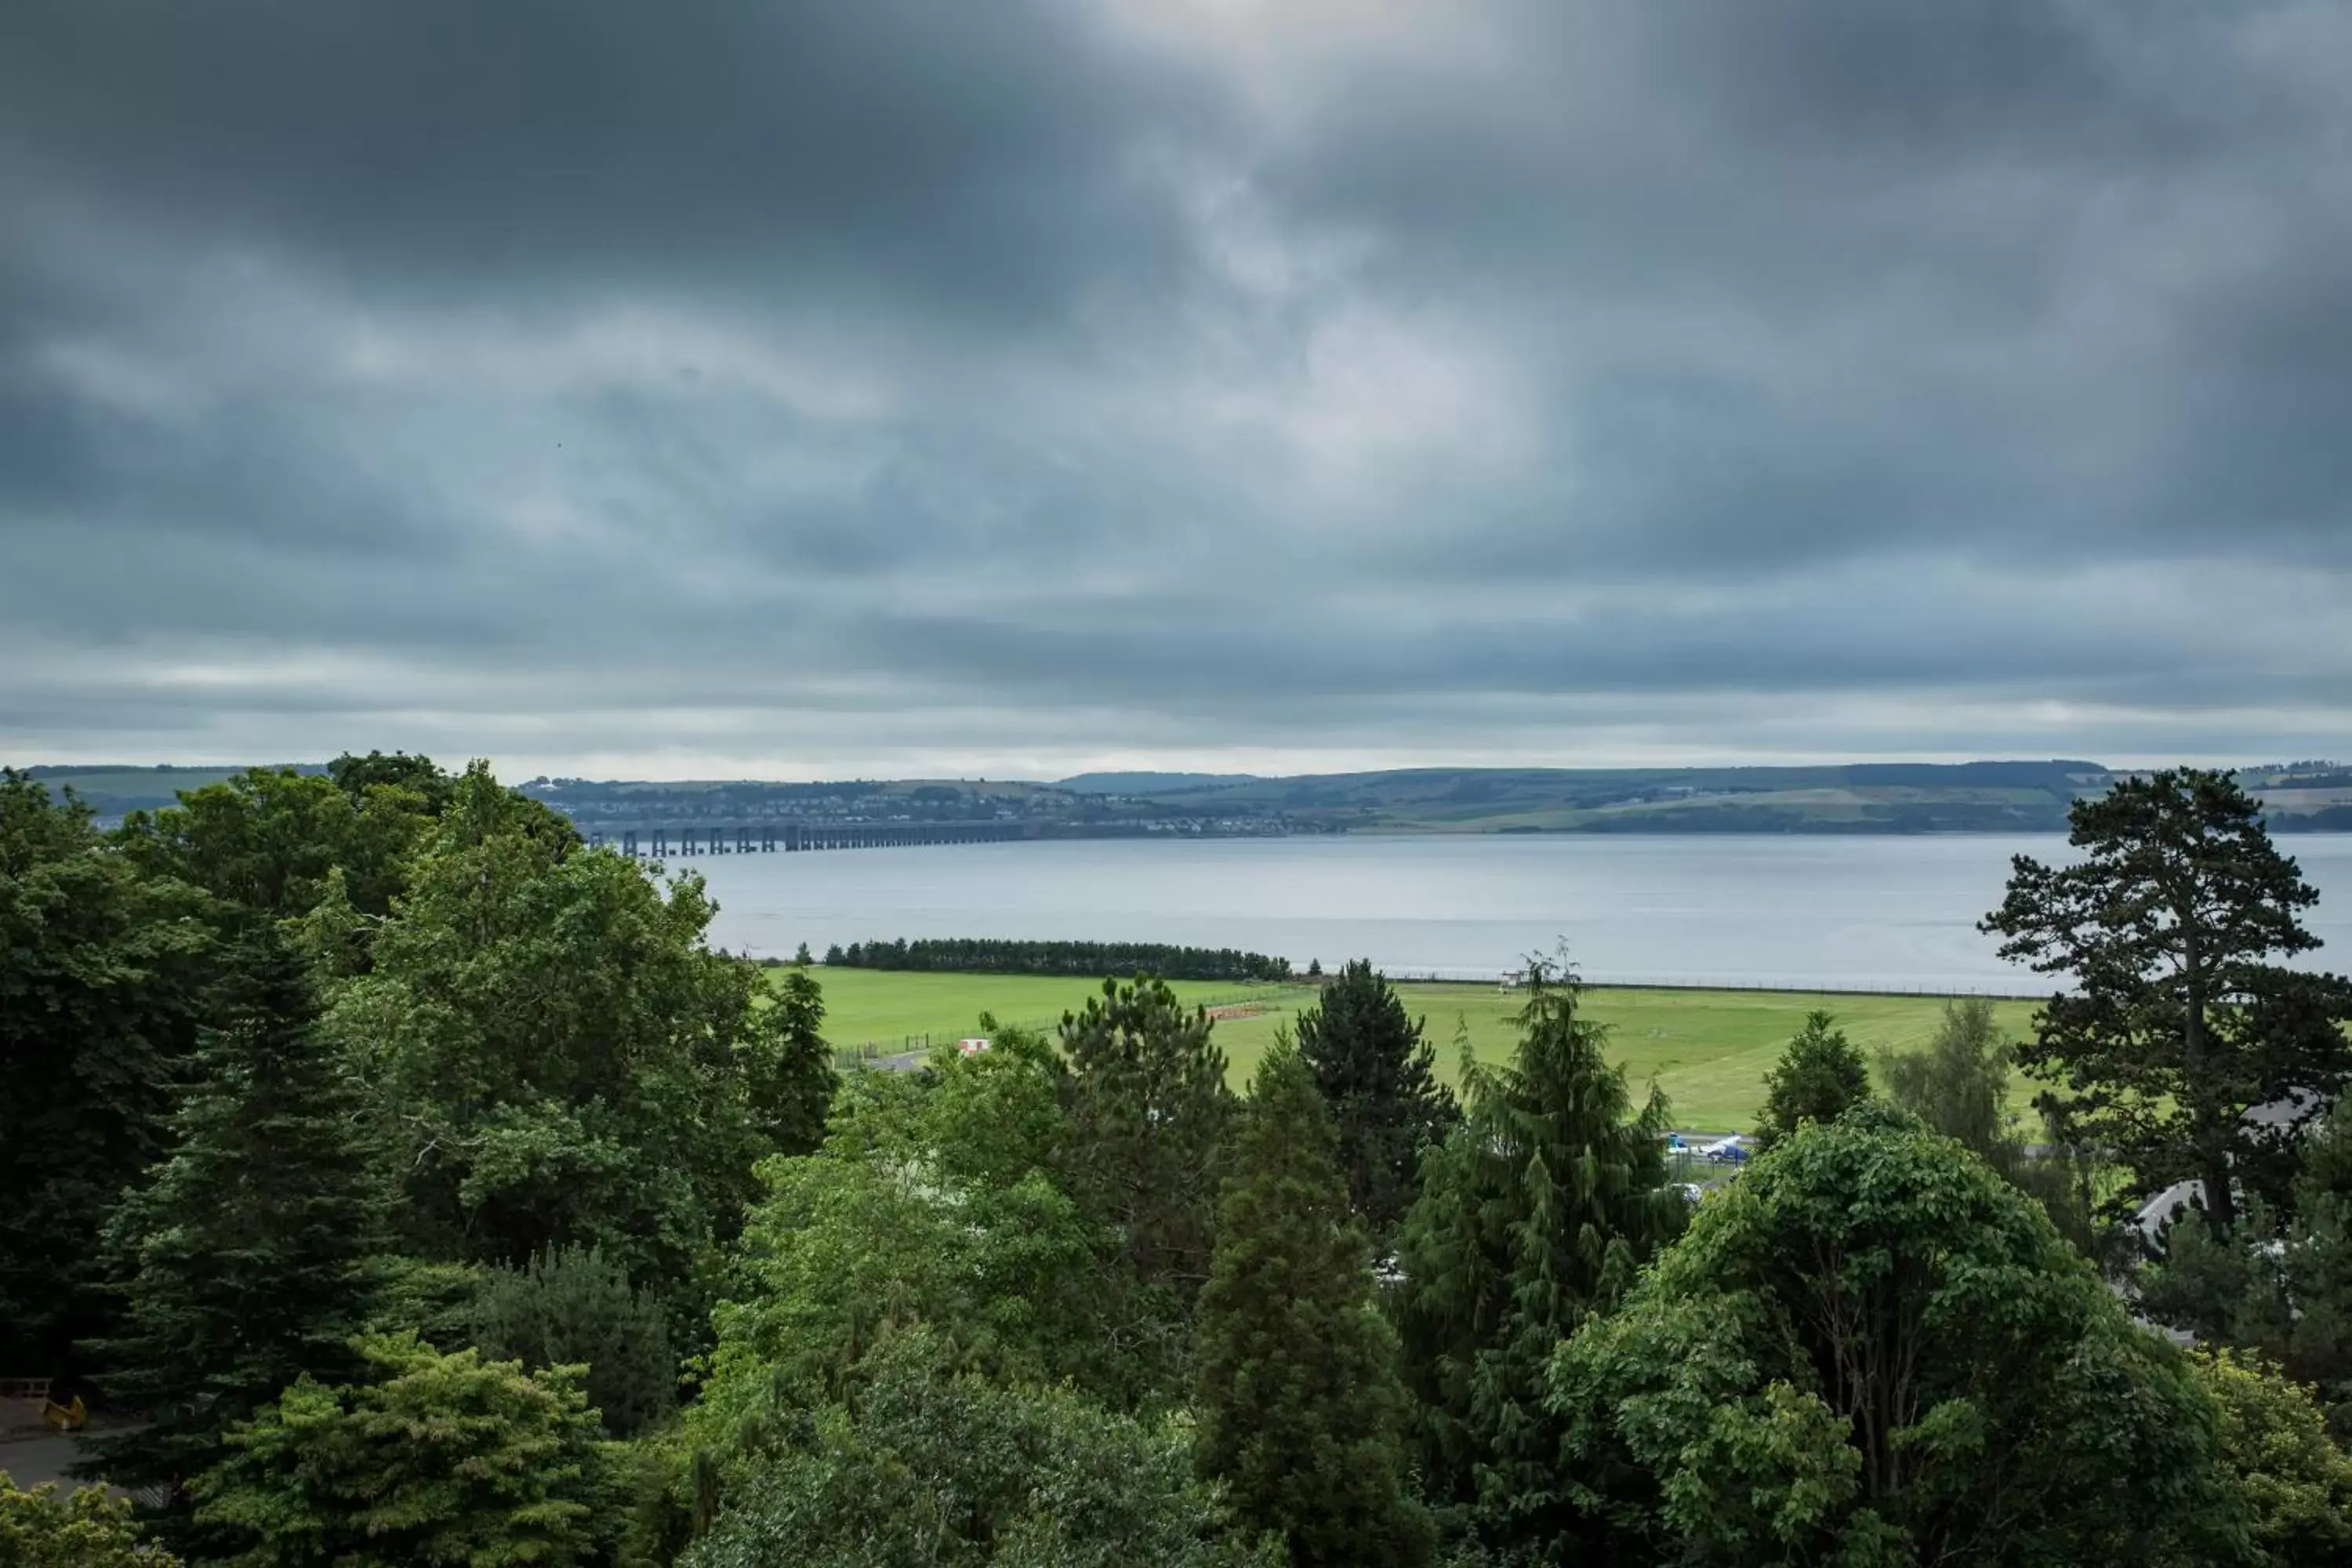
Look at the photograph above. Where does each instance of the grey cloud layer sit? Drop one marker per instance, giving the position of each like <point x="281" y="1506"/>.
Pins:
<point x="818" y="386"/>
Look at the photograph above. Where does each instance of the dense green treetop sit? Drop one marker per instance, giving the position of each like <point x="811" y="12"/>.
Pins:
<point x="553" y="1048"/>
<point x="90" y="1527"/>
<point x="1537" y="1211"/>
<point x="264" y="842"/>
<point x="1377" y="1073"/>
<point x="1299" y="1409"/>
<point x="933" y="1204"/>
<point x="1870" y="1349"/>
<point x="251" y="1255"/>
<point x="2295" y="1483"/>
<point x="570" y="1306"/>
<point x="105" y="977"/>
<point x="789" y="1078"/>
<point x="2172" y="929"/>
<point x="1148" y="1111"/>
<point x="928" y="1467"/>
<point x="1819" y="1077"/>
<point x="425" y="1458"/>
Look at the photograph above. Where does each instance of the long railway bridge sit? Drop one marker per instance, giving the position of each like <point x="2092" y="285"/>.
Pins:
<point x="694" y="841"/>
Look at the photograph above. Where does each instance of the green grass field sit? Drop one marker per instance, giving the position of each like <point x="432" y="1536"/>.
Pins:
<point x="1709" y="1050"/>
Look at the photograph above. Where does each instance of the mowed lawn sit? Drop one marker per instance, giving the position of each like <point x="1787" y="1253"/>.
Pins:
<point x="1709" y="1050"/>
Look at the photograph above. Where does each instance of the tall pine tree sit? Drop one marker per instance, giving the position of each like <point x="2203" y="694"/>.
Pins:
<point x="248" y="1258"/>
<point x="2173" y="927"/>
<point x="1377" y="1074"/>
<point x="1538" y="1212"/>
<point x="1300" y="1410"/>
<point x="1147" y="1106"/>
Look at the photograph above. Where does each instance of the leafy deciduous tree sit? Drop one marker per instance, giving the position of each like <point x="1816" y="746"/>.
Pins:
<point x="554" y="1051"/>
<point x="89" y="1529"/>
<point x="928" y="1468"/>
<point x="2295" y="1483"/>
<point x="1870" y="1349"/>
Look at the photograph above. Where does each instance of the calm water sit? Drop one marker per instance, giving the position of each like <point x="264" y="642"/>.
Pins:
<point x="1894" y="912"/>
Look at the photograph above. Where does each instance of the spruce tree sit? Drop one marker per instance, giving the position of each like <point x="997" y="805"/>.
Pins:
<point x="1377" y="1074"/>
<point x="248" y="1258"/>
<point x="788" y="1077"/>
<point x="1820" y="1075"/>
<point x="1537" y="1213"/>
<point x="1300" y="1411"/>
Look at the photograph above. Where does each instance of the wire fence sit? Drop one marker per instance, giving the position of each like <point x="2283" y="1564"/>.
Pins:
<point x="1263" y="997"/>
<point x="1844" y="986"/>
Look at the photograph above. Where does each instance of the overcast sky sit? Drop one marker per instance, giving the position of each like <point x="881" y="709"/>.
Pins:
<point x="801" y="390"/>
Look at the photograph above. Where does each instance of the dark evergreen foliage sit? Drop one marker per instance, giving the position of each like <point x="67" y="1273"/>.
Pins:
<point x="2180" y="1015"/>
<point x="1819" y="1077"/>
<point x="569" y="1306"/>
<point x="1377" y="1073"/>
<point x="1148" y="1111"/>
<point x="103" y="982"/>
<point x="1300" y="1411"/>
<point x="1536" y="1212"/>
<point x="997" y="955"/>
<point x="789" y="1079"/>
<point x="250" y="1255"/>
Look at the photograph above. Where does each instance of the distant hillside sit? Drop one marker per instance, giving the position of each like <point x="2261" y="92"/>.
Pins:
<point x="112" y="789"/>
<point x="1148" y="784"/>
<point x="1859" y="797"/>
<point x="1869" y="797"/>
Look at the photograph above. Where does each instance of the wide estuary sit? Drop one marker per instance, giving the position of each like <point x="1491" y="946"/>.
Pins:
<point x="1831" y="911"/>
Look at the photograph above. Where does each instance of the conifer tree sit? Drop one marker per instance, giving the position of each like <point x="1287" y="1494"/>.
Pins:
<point x="788" y="1076"/>
<point x="2175" y="927"/>
<point x="1538" y="1212"/>
<point x="1819" y="1077"/>
<point x="1300" y="1410"/>
<point x="1148" y="1106"/>
<point x="571" y="1306"/>
<point x="1376" y="1072"/>
<point x="249" y="1256"/>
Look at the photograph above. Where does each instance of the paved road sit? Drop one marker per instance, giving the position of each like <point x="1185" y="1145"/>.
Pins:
<point x="29" y="1461"/>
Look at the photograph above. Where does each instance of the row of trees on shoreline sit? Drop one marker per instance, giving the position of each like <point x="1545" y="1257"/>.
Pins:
<point x="1085" y="960"/>
<point x="443" y="1197"/>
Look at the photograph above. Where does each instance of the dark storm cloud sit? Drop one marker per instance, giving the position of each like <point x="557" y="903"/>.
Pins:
<point x="895" y="385"/>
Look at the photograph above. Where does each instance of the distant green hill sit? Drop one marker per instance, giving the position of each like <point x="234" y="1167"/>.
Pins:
<point x="1867" y="798"/>
<point x="1148" y="784"/>
<point x="112" y="789"/>
<point x="1856" y="797"/>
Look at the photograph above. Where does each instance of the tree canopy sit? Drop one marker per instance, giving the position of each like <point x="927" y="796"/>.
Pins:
<point x="1377" y="1074"/>
<point x="1819" y="1077"/>
<point x="1871" y="1350"/>
<point x="2173" y="928"/>
<point x="1300" y="1411"/>
<point x="1538" y="1212"/>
